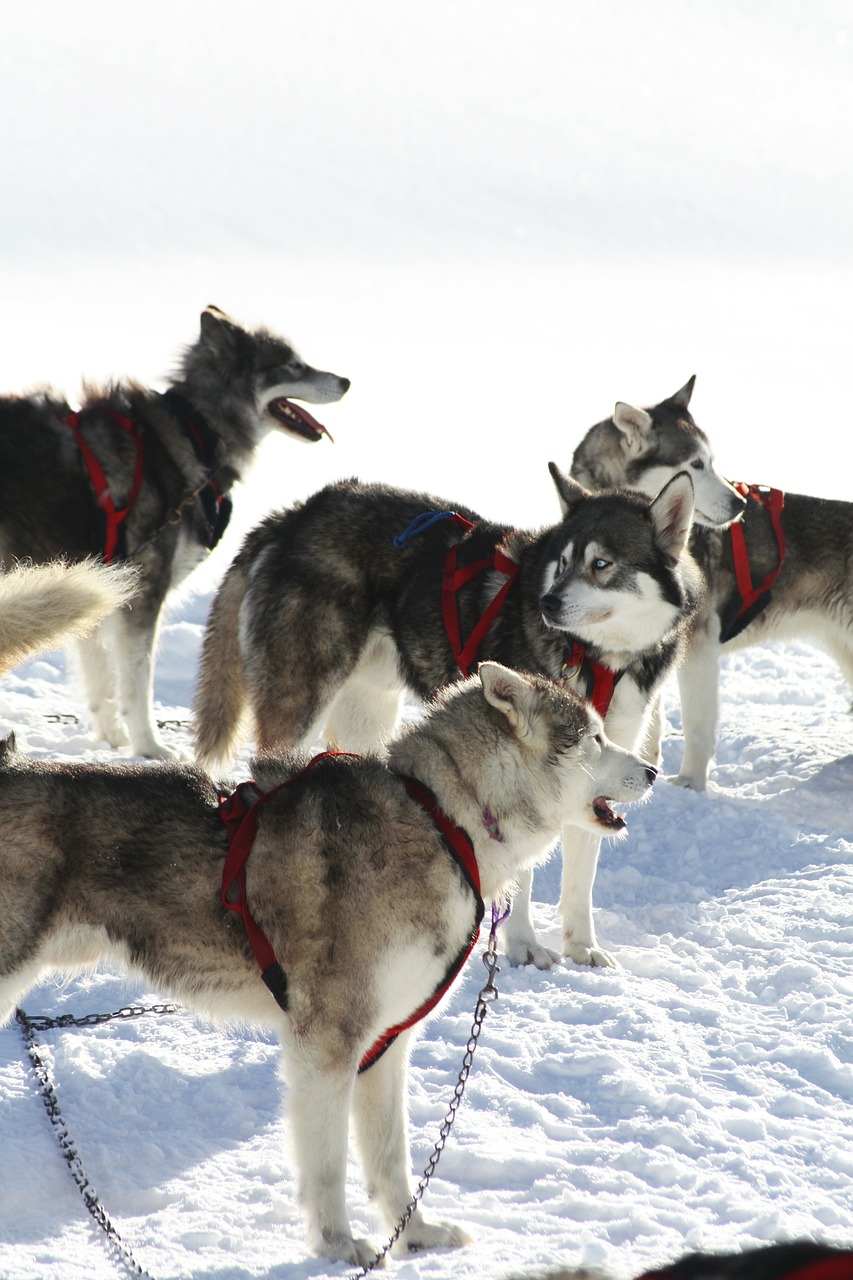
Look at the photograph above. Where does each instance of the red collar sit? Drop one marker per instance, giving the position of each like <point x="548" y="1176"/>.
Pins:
<point x="601" y="681"/>
<point x="239" y="813"/>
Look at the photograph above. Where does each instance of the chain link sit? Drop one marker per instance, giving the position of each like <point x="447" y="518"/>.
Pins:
<point x="29" y="1025"/>
<point x="487" y="996"/>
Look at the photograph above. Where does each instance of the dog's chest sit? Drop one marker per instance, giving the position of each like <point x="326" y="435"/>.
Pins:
<point x="415" y="964"/>
<point x="189" y="553"/>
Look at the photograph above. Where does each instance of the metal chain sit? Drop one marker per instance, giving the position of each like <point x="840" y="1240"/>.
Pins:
<point x="487" y="996"/>
<point x="29" y="1025"/>
<point x="122" y="1255"/>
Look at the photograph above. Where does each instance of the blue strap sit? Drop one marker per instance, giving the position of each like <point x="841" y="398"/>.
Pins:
<point x="419" y="524"/>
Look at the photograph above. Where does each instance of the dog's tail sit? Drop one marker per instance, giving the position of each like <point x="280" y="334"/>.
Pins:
<point x="220" y="696"/>
<point x="43" y="606"/>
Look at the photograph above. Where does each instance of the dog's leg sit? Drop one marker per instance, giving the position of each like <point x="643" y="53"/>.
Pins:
<point x="96" y="654"/>
<point x="379" y="1114"/>
<point x="368" y="705"/>
<point x="653" y="742"/>
<point x="580" y="859"/>
<point x="15" y="986"/>
<point x="318" y="1109"/>
<point x="518" y="940"/>
<point x="698" y="686"/>
<point x="136" y="642"/>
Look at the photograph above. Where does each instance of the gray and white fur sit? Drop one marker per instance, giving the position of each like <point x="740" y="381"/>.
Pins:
<point x="811" y="599"/>
<point x="321" y="623"/>
<point x="348" y="877"/>
<point x="240" y="382"/>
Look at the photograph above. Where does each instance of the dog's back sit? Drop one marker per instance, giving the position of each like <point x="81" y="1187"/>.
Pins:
<point x="309" y="586"/>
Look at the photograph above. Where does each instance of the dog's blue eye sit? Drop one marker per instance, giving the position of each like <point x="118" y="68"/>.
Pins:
<point x="601" y="565"/>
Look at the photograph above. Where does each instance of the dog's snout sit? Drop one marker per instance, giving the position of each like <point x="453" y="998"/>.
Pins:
<point x="550" y="604"/>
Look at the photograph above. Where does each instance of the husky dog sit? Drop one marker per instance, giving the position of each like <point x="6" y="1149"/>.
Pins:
<point x="365" y="879"/>
<point x="333" y="608"/>
<point x="811" y="598"/>
<point x="143" y="476"/>
<point x="44" y="605"/>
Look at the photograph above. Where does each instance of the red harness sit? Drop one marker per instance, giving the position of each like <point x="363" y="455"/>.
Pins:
<point x="773" y="501"/>
<point x="601" y="680"/>
<point x="113" y="540"/>
<point x="239" y="812"/>
<point x="454" y="580"/>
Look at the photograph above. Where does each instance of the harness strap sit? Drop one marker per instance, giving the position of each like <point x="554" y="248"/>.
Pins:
<point x="773" y="501"/>
<point x="114" y="540"/>
<point x="216" y="505"/>
<point x="456" y="578"/>
<point x="239" y="812"/>
<point x="459" y="846"/>
<point x="601" y="681"/>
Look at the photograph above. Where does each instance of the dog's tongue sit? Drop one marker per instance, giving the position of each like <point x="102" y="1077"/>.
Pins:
<point x="297" y="419"/>
<point x="606" y="816"/>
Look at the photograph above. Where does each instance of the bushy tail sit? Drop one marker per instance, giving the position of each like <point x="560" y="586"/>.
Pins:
<point x="45" y="605"/>
<point x="220" y="696"/>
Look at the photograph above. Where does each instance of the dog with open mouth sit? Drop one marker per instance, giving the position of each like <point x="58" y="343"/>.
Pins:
<point x="338" y="605"/>
<point x="141" y="476"/>
<point x="331" y="900"/>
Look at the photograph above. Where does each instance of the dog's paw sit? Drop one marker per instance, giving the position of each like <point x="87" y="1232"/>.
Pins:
<point x="338" y="1247"/>
<point x="688" y="781"/>
<point x="112" y="732"/>
<point x="521" y="951"/>
<point x="595" y="957"/>
<point x="157" y="750"/>
<point x="430" y="1235"/>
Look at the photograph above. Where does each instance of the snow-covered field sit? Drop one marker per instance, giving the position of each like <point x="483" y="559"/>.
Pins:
<point x="700" y="1096"/>
<point x="497" y="219"/>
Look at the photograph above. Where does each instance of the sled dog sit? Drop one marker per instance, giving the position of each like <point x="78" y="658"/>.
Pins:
<point x="365" y="878"/>
<point x="807" y="543"/>
<point x="335" y="607"/>
<point x="145" y="477"/>
<point x="42" y="606"/>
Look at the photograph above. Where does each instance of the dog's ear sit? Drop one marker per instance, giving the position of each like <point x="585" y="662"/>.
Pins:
<point x="681" y="399"/>
<point x="508" y="692"/>
<point x="635" y="425"/>
<point x="216" y="327"/>
<point x="8" y="747"/>
<point x="568" y="490"/>
<point x="672" y="516"/>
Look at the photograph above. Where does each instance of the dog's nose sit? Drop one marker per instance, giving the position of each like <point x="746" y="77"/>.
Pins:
<point x="550" y="604"/>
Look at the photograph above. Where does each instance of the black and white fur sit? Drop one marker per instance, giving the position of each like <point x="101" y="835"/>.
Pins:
<point x="321" y="624"/>
<point x="812" y="598"/>
<point x="240" y="382"/>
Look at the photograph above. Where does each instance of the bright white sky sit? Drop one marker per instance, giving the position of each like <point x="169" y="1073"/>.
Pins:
<point x="496" y="218"/>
